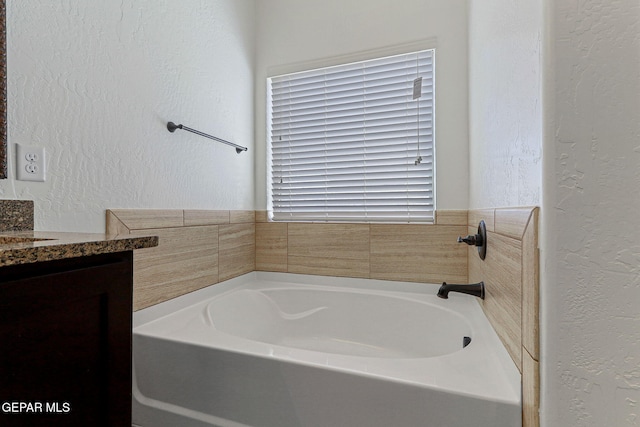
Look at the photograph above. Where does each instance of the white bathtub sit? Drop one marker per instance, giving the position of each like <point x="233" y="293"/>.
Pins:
<point x="270" y="349"/>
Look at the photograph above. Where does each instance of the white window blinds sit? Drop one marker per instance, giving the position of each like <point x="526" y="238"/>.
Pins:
<point x="345" y="141"/>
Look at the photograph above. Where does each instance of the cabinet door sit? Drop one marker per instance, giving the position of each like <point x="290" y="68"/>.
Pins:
<point x="65" y="338"/>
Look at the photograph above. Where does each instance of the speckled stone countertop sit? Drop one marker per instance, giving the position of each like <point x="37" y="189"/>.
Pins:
<point x="16" y="215"/>
<point x="23" y="247"/>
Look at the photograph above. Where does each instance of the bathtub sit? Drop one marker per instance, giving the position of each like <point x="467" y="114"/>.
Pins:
<point x="272" y="349"/>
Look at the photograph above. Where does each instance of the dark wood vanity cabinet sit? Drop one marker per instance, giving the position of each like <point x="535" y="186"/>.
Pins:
<point x="65" y="342"/>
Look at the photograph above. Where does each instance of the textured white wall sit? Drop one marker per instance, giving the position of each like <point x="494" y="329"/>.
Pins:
<point x="591" y="231"/>
<point x="505" y="111"/>
<point x="94" y="82"/>
<point x="291" y="32"/>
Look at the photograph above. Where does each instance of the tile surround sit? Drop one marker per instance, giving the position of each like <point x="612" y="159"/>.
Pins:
<point x="328" y="249"/>
<point x="418" y="253"/>
<point x="501" y="271"/>
<point x="197" y="248"/>
<point x="377" y="251"/>
<point x="237" y="253"/>
<point x="272" y="249"/>
<point x="530" y="391"/>
<point x="511" y="274"/>
<point x="244" y="241"/>
<point x="185" y="260"/>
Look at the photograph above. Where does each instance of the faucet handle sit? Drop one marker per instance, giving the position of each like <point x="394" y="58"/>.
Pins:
<point x="471" y="240"/>
<point x="479" y="240"/>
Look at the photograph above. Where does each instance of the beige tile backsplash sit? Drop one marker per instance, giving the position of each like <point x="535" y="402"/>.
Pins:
<point x="328" y="249"/>
<point x="406" y="252"/>
<point x="237" y="254"/>
<point x="418" y="253"/>
<point x="197" y="248"/>
<point x="186" y="260"/>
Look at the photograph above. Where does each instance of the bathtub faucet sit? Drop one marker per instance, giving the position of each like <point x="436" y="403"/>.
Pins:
<point x="475" y="289"/>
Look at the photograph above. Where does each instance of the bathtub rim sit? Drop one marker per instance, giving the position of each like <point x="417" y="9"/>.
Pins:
<point x="155" y="312"/>
<point x="510" y="376"/>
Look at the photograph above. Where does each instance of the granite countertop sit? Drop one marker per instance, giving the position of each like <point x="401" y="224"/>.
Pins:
<point x="23" y="247"/>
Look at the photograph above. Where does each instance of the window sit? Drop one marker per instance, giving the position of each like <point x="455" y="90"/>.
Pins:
<point x="350" y="143"/>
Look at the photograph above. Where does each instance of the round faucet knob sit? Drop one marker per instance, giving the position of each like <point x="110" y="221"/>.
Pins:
<point x="479" y="240"/>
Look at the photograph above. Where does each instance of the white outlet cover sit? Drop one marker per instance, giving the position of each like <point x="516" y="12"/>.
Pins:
<point x="30" y="163"/>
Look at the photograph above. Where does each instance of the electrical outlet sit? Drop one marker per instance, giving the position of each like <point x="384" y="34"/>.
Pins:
<point x="30" y="163"/>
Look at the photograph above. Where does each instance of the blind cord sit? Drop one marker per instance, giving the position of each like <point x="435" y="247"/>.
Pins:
<point x="416" y="95"/>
